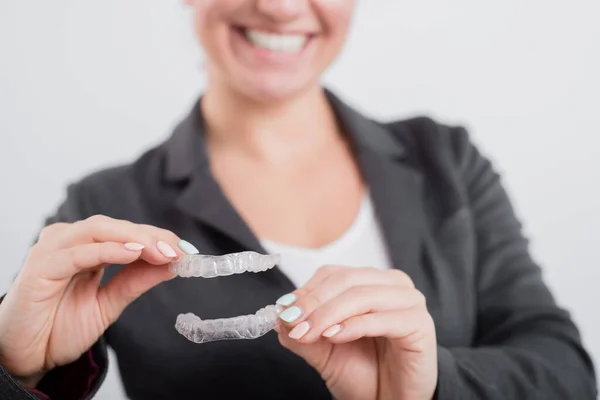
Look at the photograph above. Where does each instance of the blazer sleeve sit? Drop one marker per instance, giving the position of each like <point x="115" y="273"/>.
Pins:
<point x="82" y="378"/>
<point x="526" y="347"/>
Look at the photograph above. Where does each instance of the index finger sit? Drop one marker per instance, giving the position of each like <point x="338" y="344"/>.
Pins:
<point x="161" y="245"/>
<point x="322" y="273"/>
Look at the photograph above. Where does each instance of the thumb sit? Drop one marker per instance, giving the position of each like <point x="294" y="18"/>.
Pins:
<point x="129" y="284"/>
<point x="315" y="354"/>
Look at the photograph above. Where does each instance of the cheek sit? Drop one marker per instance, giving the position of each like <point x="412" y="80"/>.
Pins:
<point x="336" y="14"/>
<point x="210" y="23"/>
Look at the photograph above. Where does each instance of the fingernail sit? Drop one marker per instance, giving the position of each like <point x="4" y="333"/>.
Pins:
<point x="134" y="246"/>
<point x="334" y="330"/>
<point x="286" y="299"/>
<point x="300" y="330"/>
<point x="187" y="247"/>
<point x="166" y="250"/>
<point x="291" y="314"/>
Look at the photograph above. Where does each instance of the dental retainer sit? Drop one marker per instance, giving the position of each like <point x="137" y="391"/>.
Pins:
<point x="243" y="327"/>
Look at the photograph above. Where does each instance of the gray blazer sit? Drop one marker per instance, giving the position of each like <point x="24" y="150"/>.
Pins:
<point x="447" y="222"/>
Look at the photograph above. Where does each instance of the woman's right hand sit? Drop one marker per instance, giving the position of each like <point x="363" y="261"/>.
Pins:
<point x="56" y="309"/>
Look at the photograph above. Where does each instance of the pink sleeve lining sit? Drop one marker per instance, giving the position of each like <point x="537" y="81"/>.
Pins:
<point x="84" y="370"/>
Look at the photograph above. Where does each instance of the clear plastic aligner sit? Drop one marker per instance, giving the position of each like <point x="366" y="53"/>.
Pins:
<point x="203" y="266"/>
<point x="242" y="327"/>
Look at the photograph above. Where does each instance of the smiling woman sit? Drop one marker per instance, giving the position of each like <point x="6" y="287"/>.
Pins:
<point x="270" y="50"/>
<point x="403" y="274"/>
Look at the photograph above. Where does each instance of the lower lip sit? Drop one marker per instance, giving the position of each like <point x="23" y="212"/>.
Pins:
<point x="259" y="53"/>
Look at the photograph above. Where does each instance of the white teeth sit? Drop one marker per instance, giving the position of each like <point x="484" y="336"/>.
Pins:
<point x="287" y="43"/>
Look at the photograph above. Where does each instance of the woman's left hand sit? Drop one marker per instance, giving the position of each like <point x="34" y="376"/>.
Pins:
<point x="366" y="331"/>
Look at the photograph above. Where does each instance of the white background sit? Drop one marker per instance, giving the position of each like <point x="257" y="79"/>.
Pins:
<point x="87" y="84"/>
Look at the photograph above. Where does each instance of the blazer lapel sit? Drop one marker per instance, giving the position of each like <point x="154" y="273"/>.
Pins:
<point x="204" y="200"/>
<point x="396" y="195"/>
<point x="395" y="186"/>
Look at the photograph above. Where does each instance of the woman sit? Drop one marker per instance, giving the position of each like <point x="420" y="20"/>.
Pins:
<point x="450" y="307"/>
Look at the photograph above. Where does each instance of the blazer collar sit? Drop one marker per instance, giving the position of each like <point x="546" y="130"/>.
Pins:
<point x="186" y="150"/>
<point x="383" y="158"/>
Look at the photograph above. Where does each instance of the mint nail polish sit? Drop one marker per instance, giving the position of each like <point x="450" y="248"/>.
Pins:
<point x="187" y="247"/>
<point x="286" y="300"/>
<point x="291" y="314"/>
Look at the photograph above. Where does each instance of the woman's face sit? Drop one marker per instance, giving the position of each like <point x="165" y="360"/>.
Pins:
<point x="270" y="49"/>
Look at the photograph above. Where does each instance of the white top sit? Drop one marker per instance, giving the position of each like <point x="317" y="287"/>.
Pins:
<point x="362" y="245"/>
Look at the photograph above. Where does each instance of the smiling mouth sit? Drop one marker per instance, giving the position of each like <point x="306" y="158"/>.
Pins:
<point x="288" y="43"/>
<point x="243" y="327"/>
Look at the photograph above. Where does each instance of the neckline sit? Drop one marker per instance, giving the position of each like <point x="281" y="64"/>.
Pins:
<point x="348" y="235"/>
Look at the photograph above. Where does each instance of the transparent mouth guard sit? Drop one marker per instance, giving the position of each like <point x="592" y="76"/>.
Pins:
<point x="243" y="327"/>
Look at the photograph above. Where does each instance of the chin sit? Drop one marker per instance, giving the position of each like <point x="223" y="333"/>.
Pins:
<point x="273" y="90"/>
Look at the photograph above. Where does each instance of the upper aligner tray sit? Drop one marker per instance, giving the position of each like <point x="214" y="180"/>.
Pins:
<point x="203" y="266"/>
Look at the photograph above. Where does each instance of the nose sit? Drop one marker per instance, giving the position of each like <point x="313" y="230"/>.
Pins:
<point x="282" y="10"/>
